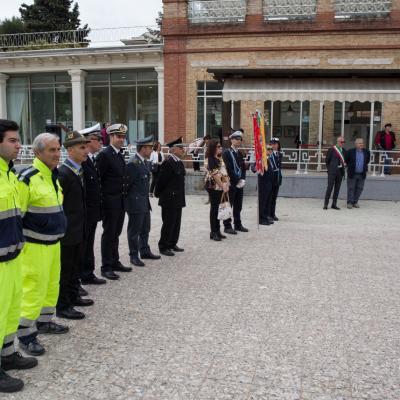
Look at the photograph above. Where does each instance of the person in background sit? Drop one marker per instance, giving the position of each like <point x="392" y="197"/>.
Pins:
<point x="236" y="168"/>
<point x="357" y="160"/>
<point x="156" y="158"/>
<point x="336" y="164"/>
<point x="217" y="182"/>
<point x="386" y="140"/>
<point x="104" y="136"/>
<point x="11" y="243"/>
<point x="276" y="163"/>
<point x="195" y="148"/>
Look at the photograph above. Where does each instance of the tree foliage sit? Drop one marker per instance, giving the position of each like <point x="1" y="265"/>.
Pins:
<point x="12" y="25"/>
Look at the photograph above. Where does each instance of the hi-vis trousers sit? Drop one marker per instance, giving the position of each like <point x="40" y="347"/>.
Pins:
<point x="10" y="303"/>
<point x="40" y="287"/>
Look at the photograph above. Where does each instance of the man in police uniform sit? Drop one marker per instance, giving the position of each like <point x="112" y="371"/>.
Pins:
<point x="112" y="169"/>
<point x="276" y="162"/>
<point x="11" y="242"/>
<point x="170" y="189"/>
<point x="93" y="204"/>
<point x="137" y="203"/>
<point x="71" y="180"/>
<point x="44" y="224"/>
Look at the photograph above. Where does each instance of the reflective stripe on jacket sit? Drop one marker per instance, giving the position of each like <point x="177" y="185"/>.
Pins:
<point x="11" y="237"/>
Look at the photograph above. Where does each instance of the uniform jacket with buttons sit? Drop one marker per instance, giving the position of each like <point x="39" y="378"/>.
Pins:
<point x="112" y="169"/>
<point x="170" y="188"/>
<point x="93" y="190"/>
<point x="138" y="181"/>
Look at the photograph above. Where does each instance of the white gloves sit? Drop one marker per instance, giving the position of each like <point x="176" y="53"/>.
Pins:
<point x="241" y="183"/>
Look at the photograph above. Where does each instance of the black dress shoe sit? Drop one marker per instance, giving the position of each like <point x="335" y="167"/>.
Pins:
<point x="221" y="235"/>
<point x="275" y="218"/>
<point x="231" y="231"/>
<point x="215" y="236"/>
<point x="270" y="220"/>
<point x="325" y="207"/>
<point x="51" y="328"/>
<point x="82" y="291"/>
<point x="265" y="222"/>
<point x="79" y="302"/>
<point x="137" y="261"/>
<point x="150" y="256"/>
<point x="70" y="313"/>
<point x="33" y="348"/>
<point x="121" y="268"/>
<point x="167" y="252"/>
<point x="178" y="249"/>
<point x="94" y="280"/>
<point x="8" y="384"/>
<point x="335" y="207"/>
<point x="17" y="361"/>
<point x="110" y="275"/>
<point x="241" y="229"/>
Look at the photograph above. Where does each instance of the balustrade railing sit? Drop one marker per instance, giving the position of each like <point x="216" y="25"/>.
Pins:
<point x="276" y="10"/>
<point x="209" y="11"/>
<point x="362" y="8"/>
<point x="301" y="161"/>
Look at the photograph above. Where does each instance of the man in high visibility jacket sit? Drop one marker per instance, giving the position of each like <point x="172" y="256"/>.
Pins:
<point x="11" y="242"/>
<point x="44" y="224"/>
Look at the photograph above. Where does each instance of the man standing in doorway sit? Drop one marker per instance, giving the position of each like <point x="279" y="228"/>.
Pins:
<point x="236" y="168"/>
<point x="357" y="160"/>
<point x="112" y="169"/>
<point x="386" y="140"/>
<point x="336" y="164"/>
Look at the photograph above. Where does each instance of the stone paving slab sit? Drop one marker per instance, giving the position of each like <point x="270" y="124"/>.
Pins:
<point x="307" y="309"/>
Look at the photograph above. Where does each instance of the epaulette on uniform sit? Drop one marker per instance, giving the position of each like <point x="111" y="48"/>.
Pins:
<point x="26" y="174"/>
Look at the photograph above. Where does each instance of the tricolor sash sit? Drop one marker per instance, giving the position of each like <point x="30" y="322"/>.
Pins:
<point x="340" y="155"/>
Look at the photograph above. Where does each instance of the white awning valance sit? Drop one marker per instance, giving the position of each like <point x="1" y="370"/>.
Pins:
<point x="335" y="89"/>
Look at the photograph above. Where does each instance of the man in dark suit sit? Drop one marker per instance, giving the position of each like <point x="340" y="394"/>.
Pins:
<point x="137" y="203"/>
<point x="275" y="161"/>
<point x="236" y="169"/>
<point x="112" y="169"/>
<point x="357" y="160"/>
<point x="170" y="189"/>
<point x="336" y="164"/>
<point x="71" y="181"/>
<point x="93" y="204"/>
<point x="265" y="190"/>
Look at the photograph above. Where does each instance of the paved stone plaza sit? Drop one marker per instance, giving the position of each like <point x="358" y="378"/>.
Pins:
<point x="306" y="309"/>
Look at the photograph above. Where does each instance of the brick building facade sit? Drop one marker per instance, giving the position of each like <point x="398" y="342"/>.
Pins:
<point x="208" y="42"/>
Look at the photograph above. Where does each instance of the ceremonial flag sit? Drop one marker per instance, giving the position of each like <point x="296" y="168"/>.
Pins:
<point x="260" y="150"/>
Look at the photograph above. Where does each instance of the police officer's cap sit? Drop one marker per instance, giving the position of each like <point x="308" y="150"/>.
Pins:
<point x="236" y="135"/>
<point x="147" y="141"/>
<point x="117" y="129"/>
<point x="73" y="138"/>
<point x="274" y="140"/>
<point x="176" y="143"/>
<point x="92" y="130"/>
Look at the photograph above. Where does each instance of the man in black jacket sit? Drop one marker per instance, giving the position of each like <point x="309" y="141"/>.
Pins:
<point x="170" y="189"/>
<point x="357" y="160"/>
<point x="137" y="203"/>
<point x="93" y="204"/>
<point x="71" y="181"/>
<point x="336" y="164"/>
<point x="236" y="169"/>
<point x="112" y="169"/>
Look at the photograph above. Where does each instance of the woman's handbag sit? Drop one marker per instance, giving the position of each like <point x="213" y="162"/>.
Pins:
<point x="224" y="209"/>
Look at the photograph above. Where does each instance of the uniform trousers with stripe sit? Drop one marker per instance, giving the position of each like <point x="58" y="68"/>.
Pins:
<point x="40" y="287"/>
<point x="10" y="303"/>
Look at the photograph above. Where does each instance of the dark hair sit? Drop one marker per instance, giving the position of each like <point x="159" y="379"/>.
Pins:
<point x="389" y="124"/>
<point x="212" y="148"/>
<point x="207" y="137"/>
<point x="7" y="125"/>
<point x="155" y="146"/>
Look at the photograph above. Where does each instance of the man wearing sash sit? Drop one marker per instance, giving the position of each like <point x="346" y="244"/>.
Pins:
<point x="335" y="163"/>
<point x="72" y="183"/>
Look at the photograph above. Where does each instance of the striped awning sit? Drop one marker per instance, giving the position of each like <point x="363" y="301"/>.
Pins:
<point x="326" y="89"/>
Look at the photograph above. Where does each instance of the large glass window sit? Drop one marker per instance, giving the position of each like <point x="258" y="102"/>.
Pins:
<point x="38" y="100"/>
<point x="346" y="9"/>
<point x="211" y="11"/>
<point x="128" y="97"/>
<point x="214" y="116"/>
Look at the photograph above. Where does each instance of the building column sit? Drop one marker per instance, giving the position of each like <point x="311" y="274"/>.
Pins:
<point x="160" y="76"/>
<point x="78" y="98"/>
<point x="3" y="95"/>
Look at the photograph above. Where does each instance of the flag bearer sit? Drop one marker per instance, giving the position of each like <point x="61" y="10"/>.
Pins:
<point x="44" y="224"/>
<point x="11" y="242"/>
